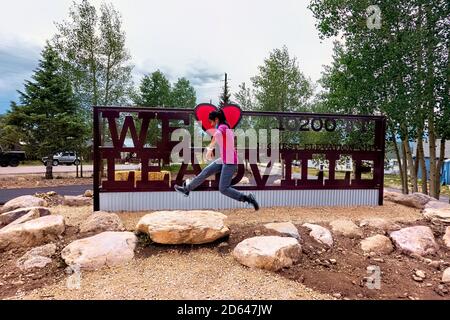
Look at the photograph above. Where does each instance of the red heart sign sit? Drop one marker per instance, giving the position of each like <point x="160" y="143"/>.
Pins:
<point x="232" y="112"/>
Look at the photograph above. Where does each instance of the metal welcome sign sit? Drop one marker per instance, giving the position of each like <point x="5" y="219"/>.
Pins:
<point x="285" y="159"/>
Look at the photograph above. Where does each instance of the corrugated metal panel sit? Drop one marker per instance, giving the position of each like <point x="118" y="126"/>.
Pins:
<point x="141" y="201"/>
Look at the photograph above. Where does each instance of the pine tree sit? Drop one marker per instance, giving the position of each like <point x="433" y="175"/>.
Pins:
<point x="48" y="118"/>
<point x="225" y="97"/>
<point x="154" y="90"/>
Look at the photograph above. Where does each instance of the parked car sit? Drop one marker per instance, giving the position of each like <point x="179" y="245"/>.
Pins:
<point x="11" y="158"/>
<point x="67" y="158"/>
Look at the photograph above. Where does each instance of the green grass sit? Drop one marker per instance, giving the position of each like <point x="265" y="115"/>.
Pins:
<point x="394" y="181"/>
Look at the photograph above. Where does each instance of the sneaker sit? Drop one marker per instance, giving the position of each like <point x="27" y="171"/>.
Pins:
<point x="182" y="189"/>
<point x="251" y="199"/>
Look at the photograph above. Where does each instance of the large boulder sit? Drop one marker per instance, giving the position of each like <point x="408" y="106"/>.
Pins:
<point x="32" y="233"/>
<point x="100" y="222"/>
<point x="379" y="244"/>
<point x="437" y="211"/>
<point x="284" y="228"/>
<point x="346" y="228"/>
<point x="38" y="257"/>
<point x="418" y="240"/>
<point x="189" y="227"/>
<point x="320" y="234"/>
<point x="446" y="237"/>
<point x="77" y="201"/>
<point x="12" y="216"/>
<point x="23" y="202"/>
<point x="379" y="224"/>
<point x="415" y="200"/>
<point x="268" y="252"/>
<point x="104" y="249"/>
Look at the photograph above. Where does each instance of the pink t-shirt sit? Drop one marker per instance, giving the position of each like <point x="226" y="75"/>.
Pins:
<point x="225" y="139"/>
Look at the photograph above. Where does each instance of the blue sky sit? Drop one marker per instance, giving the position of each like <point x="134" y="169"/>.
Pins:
<point x="199" y="39"/>
<point x="17" y="61"/>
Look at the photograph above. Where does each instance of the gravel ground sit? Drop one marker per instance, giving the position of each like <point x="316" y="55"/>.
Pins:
<point x="389" y="211"/>
<point x="203" y="273"/>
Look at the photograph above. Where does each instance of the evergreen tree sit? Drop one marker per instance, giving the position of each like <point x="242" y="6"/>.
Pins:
<point x="48" y="118"/>
<point x="225" y="97"/>
<point x="154" y="90"/>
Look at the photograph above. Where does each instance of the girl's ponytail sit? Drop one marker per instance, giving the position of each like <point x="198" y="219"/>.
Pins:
<point x="219" y="114"/>
<point x="222" y="119"/>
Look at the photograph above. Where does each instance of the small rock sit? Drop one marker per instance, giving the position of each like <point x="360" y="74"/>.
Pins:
<point x="47" y="250"/>
<point x="360" y="296"/>
<point x="284" y="228"/>
<point x="441" y="290"/>
<point x="377" y="244"/>
<point x="333" y="261"/>
<point x="380" y="224"/>
<point x="77" y="201"/>
<point x="257" y="232"/>
<point x="223" y="245"/>
<point x="346" y="228"/>
<point x="88" y="193"/>
<point x="378" y="260"/>
<point x="420" y="274"/>
<point x="446" y="276"/>
<point x="320" y="234"/>
<point x="337" y="295"/>
<point x="101" y="221"/>
<point x="33" y="262"/>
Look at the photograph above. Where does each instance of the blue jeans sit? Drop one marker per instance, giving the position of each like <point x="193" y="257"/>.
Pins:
<point x="226" y="175"/>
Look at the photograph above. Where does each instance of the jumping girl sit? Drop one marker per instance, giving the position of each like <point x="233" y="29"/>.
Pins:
<point x="226" y="164"/>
